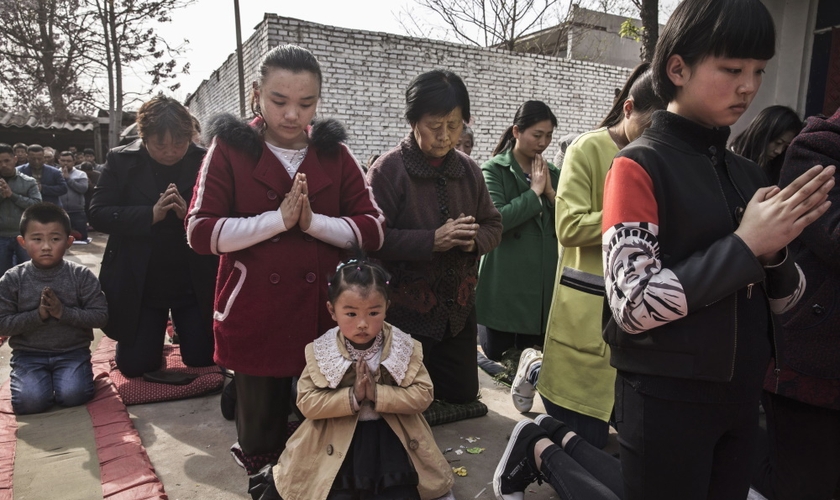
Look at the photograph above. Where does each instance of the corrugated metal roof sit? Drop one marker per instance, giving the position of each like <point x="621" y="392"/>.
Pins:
<point x="76" y="123"/>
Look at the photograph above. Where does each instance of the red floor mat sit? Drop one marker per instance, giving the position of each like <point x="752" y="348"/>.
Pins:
<point x="138" y="391"/>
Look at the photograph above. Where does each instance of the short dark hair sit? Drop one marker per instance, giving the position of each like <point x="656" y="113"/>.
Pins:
<point x="5" y="148"/>
<point x="65" y="153"/>
<point x="89" y="151"/>
<point x="719" y="28"/>
<point x="86" y="166"/>
<point x="161" y="115"/>
<point x="289" y="57"/>
<point x="360" y="272"/>
<point x="35" y="148"/>
<point x="44" y="213"/>
<point x="19" y="145"/>
<point x="436" y="93"/>
<point x="528" y="114"/>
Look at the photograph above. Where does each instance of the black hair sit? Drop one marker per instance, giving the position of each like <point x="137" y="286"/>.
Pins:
<point x="528" y="114"/>
<point x="5" y="148"/>
<point x="720" y="28"/>
<point x="65" y="153"/>
<point x="161" y="115"/>
<point x="289" y="57"/>
<point x="468" y="131"/>
<point x="639" y="87"/>
<point x="89" y="151"/>
<point x="87" y="166"/>
<point x="35" y="148"/>
<point x="765" y="128"/>
<point x="19" y="145"/>
<point x="44" y="213"/>
<point x="436" y="93"/>
<point x="360" y="272"/>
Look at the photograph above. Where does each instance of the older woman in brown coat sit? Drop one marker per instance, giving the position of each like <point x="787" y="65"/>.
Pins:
<point x="440" y="220"/>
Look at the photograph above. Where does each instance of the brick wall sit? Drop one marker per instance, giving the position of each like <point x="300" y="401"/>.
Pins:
<point x="366" y="73"/>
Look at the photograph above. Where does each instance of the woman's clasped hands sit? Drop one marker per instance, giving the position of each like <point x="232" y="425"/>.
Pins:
<point x="295" y="207"/>
<point x="170" y="199"/>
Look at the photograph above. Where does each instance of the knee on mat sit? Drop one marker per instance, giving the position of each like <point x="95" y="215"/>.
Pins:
<point x="77" y="395"/>
<point x="27" y="402"/>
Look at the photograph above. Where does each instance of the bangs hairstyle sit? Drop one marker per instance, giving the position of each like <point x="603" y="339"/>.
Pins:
<point x="436" y="93"/>
<point x="5" y="148"/>
<point x="44" y="213"/>
<point x="741" y="29"/>
<point x="358" y="272"/>
<point x="639" y="87"/>
<point x="289" y="57"/>
<point x="162" y="114"/>
<point x="527" y="115"/>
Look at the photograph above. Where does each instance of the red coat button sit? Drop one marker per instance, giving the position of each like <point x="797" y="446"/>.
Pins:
<point x="308" y="237"/>
<point x="310" y="277"/>
<point x="274" y="278"/>
<point x="272" y="195"/>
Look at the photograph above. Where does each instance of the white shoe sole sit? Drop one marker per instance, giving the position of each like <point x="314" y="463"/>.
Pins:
<point x="500" y="469"/>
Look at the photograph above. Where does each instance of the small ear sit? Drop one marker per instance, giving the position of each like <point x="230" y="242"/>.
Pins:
<point x="21" y="241"/>
<point x="516" y="132"/>
<point x="331" y="310"/>
<point x="629" y="107"/>
<point x="677" y="70"/>
<point x="70" y="240"/>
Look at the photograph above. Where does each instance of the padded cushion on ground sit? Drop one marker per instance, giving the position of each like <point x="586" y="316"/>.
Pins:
<point x="440" y="412"/>
<point x="138" y="391"/>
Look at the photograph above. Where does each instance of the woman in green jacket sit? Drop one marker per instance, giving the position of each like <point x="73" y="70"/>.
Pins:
<point x="516" y="279"/>
<point x="576" y="381"/>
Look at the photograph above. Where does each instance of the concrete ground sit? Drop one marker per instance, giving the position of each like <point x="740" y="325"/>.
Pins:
<point x="188" y="440"/>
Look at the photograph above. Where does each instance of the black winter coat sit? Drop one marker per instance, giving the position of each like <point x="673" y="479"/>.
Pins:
<point x="122" y="207"/>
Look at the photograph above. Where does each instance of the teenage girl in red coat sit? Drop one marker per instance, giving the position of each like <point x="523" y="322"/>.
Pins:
<point x="278" y="200"/>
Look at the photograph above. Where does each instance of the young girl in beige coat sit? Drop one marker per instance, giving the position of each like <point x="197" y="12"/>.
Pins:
<point x="363" y="391"/>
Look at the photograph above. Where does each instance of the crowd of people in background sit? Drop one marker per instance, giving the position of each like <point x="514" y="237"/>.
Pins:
<point x="656" y="277"/>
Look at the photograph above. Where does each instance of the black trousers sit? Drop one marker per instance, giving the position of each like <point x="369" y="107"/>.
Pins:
<point x="262" y="413"/>
<point x="452" y="364"/>
<point x="581" y="471"/>
<point x="495" y="342"/>
<point x="691" y="451"/>
<point x="145" y="353"/>
<point x="803" y="462"/>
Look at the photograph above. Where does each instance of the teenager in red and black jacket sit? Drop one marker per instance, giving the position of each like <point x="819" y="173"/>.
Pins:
<point x="695" y="262"/>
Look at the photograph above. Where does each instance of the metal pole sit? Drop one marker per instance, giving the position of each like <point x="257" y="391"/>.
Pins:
<point x="239" y="62"/>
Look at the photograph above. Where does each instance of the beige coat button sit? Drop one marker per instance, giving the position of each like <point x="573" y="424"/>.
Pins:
<point x="329" y="449"/>
<point x="413" y="444"/>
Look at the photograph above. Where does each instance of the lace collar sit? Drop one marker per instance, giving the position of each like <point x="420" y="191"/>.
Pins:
<point x="334" y="360"/>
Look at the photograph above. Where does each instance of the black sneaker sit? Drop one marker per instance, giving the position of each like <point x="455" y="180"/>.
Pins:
<point x="515" y="472"/>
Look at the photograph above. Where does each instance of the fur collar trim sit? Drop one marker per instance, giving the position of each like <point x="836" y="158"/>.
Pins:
<point x="324" y="135"/>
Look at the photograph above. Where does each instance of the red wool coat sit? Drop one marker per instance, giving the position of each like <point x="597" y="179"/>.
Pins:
<point x="271" y="297"/>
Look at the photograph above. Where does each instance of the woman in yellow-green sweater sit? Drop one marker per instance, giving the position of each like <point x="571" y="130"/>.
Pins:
<point x="576" y="381"/>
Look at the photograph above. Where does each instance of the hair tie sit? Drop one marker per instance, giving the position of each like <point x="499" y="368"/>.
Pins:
<point x="343" y="264"/>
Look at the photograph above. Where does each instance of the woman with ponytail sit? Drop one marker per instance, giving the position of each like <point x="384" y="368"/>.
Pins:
<point x="576" y="382"/>
<point x="516" y="278"/>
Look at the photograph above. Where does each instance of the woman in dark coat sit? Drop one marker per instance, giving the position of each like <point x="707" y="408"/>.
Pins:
<point x="148" y="270"/>
<point x="440" y="220"/>
<point x="802" y="386"/>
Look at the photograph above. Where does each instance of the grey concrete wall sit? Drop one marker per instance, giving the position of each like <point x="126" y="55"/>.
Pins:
<point x="366" y="73"/>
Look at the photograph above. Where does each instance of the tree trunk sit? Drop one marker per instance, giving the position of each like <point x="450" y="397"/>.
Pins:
<point x="115" y="73"/>
<point x="649" y="14"/>
<point x="54" y="84"/>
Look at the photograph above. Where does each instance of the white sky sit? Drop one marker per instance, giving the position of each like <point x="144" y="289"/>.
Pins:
<point x="210" y="28"/>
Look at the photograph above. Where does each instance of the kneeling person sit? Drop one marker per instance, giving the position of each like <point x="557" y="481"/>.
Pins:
<point x="48" y="308"/>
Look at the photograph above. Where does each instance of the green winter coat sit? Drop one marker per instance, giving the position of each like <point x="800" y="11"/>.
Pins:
<point x="576" y="372"/>
<point x="516" y="279"/>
